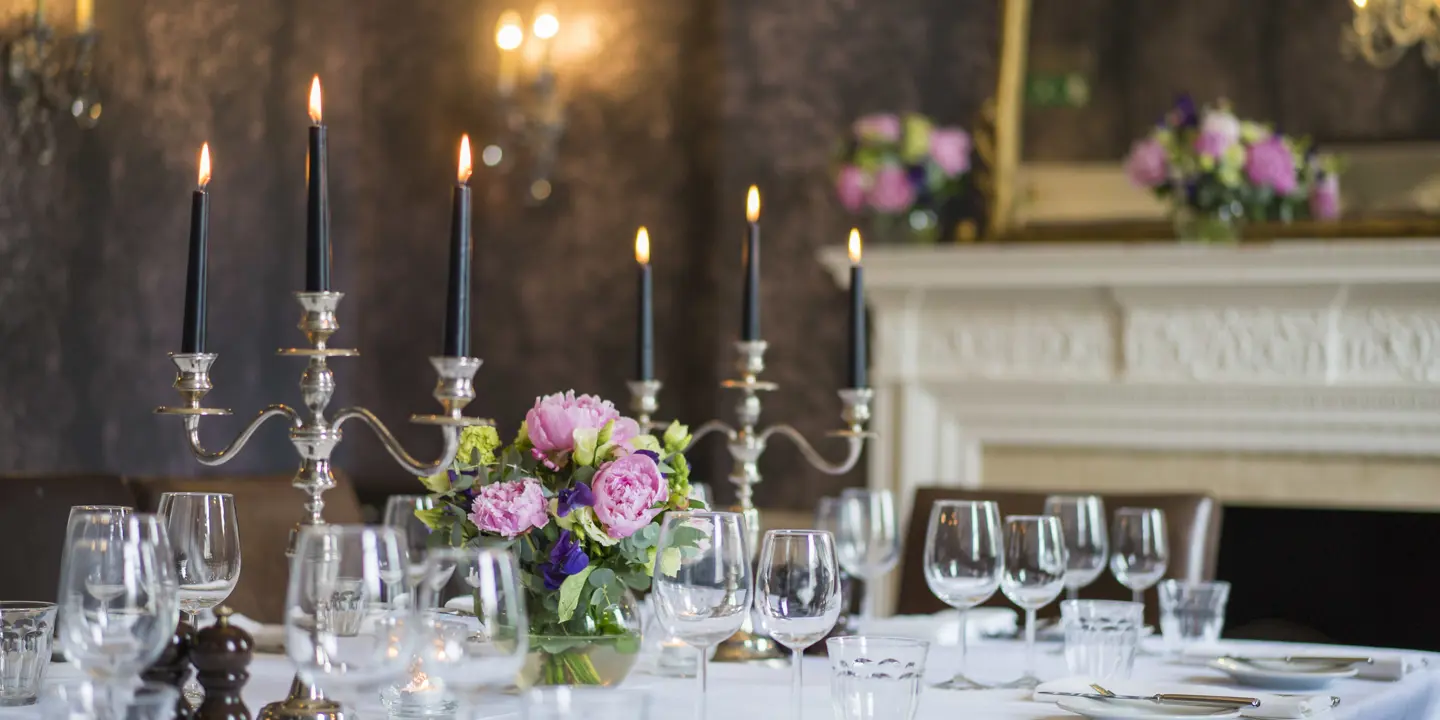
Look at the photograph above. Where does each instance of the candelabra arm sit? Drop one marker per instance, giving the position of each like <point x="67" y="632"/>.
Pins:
<point x="812" y="456"/>
<point x="392" y="445"/>
<point x="710" y="427"/>
<point x="220" y="457"/>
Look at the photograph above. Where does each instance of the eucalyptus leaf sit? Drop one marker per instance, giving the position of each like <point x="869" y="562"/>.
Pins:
<point x="570" y="593"/>
<point x="601" y="576"/>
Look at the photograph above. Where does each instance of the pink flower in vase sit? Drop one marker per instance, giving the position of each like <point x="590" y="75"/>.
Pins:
<point x="555" y="418"/>
<point x="1148" y="166"/>
<point x="1219" y="129"/>
<point x="626" y="491"/>
<point x="893" y="192"/>
<point x="1271" y="164"/>
<point x="1325" y="197"/>
<point x="950" y="149"/>
<point x="880" y="127"/>
<point x="510" y="508"/>
<point x="850" y="185"/>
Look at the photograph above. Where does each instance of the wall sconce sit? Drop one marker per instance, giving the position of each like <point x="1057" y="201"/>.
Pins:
<point x="48" y="74"/>
<point x="530" y="102"/>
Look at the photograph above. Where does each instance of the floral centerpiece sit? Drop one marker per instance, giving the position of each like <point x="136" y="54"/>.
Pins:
<point x="577" y="497"/>
<point x="1217" y="171"/>
<point x="898" y="171"/>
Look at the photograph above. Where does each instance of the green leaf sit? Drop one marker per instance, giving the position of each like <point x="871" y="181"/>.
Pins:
<point x="583" y="475"/>
<point x="646" y="442"/>
<point x="635" y="580"/>
<point x="586" y="441"/>
<point x="601" y="576"/>
<point x="437" y="483"/>
<point x="432" y="517"/>
<point x="570" y="593"/>
<point x="606" y="433"/>
<point x="465" y="482"/>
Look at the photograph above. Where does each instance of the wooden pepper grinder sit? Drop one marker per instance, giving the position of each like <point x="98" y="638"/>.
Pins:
<point x="173" y="668"/>
<point x="221" y="653"/>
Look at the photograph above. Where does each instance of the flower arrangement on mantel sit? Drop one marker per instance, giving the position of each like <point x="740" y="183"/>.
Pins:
<point x="898" y="171"/>
<point x="1218" y="171"/>
<point x="577" y="496"/>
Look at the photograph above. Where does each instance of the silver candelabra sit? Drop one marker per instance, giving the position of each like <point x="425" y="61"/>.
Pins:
<point x="746" y="442"/>
<point x="316" y="436"/>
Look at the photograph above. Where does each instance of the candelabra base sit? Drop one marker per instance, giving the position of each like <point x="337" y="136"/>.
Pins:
<point x="748" y="647"/>
<point x="305" y="702"/>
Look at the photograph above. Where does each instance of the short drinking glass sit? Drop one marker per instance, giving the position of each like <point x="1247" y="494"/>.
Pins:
<point x="1034" y="575"/>
<point x="1101" y="637"/>
<point x="797" y="594"/>
<point x="1082" y="520"/>
<point x="963" y="564"/>
<point x="1192" y="613"/>
<point x="875" y="678"/>
<point x="25" y="631"/>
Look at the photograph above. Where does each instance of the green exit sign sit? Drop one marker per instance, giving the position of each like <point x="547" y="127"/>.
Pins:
<point x="1054" y="90"/>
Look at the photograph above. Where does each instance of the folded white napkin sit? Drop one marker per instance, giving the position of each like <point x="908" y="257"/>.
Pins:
<point x="943" y="628"/>
<point x="1272" y="707"/>
<point x="1386" y="666"/>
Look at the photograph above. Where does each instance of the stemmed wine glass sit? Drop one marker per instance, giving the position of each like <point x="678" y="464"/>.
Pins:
<point x="206" y="541"/>
<point x="867" y="538"/>
<point x="118" y="595"/>
<point x="963" y="564"/>
<point x="472" y="622"/>
<point x="702" y="584"/>
<point x="400" y="514"/>
<point x="797" y="594"/>
<point x="1082" y="520"/>
<point x="341" y="634"/>
<point x="1034" y="575"/>
<point x="1140" y="552"/>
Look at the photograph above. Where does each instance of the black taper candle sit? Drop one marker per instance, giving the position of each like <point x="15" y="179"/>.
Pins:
<point x="193" y="333"/>
<point x="317" y="205"/>
<point x="750" y="310"/>
<point x="457" y="296"/>
<point x="645" y="313"/>
<point x="859" y="363"/>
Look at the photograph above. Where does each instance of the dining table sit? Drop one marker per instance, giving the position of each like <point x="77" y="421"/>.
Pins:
<point x="758" y="691"/>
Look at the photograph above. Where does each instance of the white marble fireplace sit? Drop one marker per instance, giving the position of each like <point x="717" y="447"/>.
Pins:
<point x="1296" y="373"/>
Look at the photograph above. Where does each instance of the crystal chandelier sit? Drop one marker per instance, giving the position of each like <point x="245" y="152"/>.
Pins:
<point x="1382" y="30"/>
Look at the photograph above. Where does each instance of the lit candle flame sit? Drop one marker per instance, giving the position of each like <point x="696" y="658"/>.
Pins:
<point x="1360" y="4"/>
<point x="204" y="165"/>
<point x="546" y="25"/>
<point x="315" y="100"/>
<point x="642" y="246"/>
<point x="508" y="33"/>
<point x="854" y="246"/>
<point x="466" y="168"/>
<point x="752" y="204"/>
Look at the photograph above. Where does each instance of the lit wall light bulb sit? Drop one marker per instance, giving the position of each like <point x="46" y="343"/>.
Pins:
<point x="546" y="23"/>
<point x="509" y="31"/>
<point x="1360" y="4"/>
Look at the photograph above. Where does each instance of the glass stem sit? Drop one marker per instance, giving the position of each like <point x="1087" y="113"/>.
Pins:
<point x="1072" y="593"/>
<point x="797" y="681"/>
<point x="964" y="643"/>
<point x="1029" y="643"/>
<point x="704" y="682"/>
<point x="1137" y="596"/>
<point x="867" y="608"/>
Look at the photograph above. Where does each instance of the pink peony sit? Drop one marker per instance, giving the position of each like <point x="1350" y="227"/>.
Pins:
<point x="1212" y="144"/>
<point x="1219" y="129"/>
<point x="1270" y="164"/>
<point x="510" y="508"/>
<point x="1325" y="197"/>
<point x="893" y="192"/>
<point x="626" y="490"/>
<point x="850" y="186"/>
<point x="555" y="418"/>
<point x="883" y="127"/>
<point x="950" y="148"/>
<point x="1147" y="166"/>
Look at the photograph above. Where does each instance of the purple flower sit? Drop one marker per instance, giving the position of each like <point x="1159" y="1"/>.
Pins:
<point x="1325" y="197"/>
<point x="1183" y="114"/>
<point x="893" y="192"/>
<point x="884" y="127"/>
<point x="1271" y="164"/>
<point x="555" y="418"/>
<point x="578" y="495"/>
<point x="566" y="559"/>
<point x="950" y="149"/>
<point x="850" y="185"/>
<point x="1147" y="165"/>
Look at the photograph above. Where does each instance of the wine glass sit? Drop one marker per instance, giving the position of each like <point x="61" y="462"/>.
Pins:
<point x="701" y="491"/>
<point x="867" y="537"/>
<point x="341" y="634"/>
<point x="797" y="594"/>
<point x="118" y="594"/>
<point x="1034" y="575"/>
<point x="1082" y="520"/>
<point x="963" y="564"/>
<point x="206" y="541"/>
<point x="1140" y="551"/>
<point x="400" y="514"/>
<point x="702" y="584"/>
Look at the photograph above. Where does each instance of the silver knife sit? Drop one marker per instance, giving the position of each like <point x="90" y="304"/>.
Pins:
<point x="1336" y="659"/>
<point x="1169" y="698"/>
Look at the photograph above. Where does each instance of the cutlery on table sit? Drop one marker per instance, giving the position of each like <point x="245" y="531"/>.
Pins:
<point x="1335" y="659"/>
<point x="1167" y="698"/>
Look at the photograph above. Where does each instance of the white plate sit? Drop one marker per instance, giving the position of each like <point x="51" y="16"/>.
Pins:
<point x="1141" y="710"/>
<point x="1282" y="675"/>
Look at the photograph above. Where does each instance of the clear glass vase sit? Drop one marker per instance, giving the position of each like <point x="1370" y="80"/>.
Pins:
<point x="1222" y="225"/>
<point x="602" y="652"/>
<point x="916" y="227"/>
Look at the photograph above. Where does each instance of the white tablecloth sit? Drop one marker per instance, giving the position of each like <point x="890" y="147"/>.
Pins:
<point x="752" y="692"/>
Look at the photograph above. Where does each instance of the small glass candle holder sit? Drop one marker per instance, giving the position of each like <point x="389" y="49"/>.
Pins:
<point x="421" y="697"/>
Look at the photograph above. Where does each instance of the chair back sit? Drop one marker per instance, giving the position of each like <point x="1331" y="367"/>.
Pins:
<point x="33" y="512"/>
<point x="1193" y="521"/>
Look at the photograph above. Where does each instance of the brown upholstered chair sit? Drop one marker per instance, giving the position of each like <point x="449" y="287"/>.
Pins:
<point x="266" y="509"/>
<point x="33" y="511"/>
<point x="1193" y="520"/>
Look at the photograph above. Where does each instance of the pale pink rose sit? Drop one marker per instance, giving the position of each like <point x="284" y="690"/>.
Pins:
<point x="850" y="185"/>
<point x="626" y="491"/>
<point x="1212" y="144"/>
<point x="555" y="418"/>
<point x="1325" y="197"/>
<point x="1271" y="164"/>
<point x="1219" y="129"/>
<point x="510" y="508"/>
<point x="883" y="127"/>
<point x="893" y="192"/>
<point x="950" y="149"/>
<point x="1147" y="165"/>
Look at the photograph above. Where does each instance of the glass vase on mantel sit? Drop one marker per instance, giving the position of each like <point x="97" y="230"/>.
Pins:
<point x="1220" y="225"/>
<point x="599" y="647"/>
<point x="917" y="227"/>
